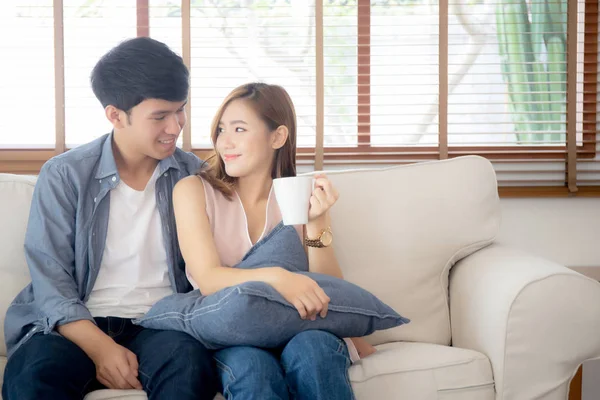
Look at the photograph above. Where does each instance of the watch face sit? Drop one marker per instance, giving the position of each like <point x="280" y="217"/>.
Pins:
<point x="326" y="238"/>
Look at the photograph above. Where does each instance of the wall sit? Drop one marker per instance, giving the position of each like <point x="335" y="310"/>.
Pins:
<point x="566" y="231"/>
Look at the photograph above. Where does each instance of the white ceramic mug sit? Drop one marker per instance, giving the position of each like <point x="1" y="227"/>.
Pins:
<point x="293" y="196"/>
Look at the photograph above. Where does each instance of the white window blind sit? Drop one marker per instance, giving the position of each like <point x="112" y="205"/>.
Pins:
<point x="454" y="77"/>
<point x="374" y="81"/>
<point x="91" y="28"/>
<point x="404" y="43"/>
<point x="508" y="84"/>
<point x="164" y="24"/>
<point x="235" y="42"/>
<point x="27" y="78"/>
<point x="341" y="78"/>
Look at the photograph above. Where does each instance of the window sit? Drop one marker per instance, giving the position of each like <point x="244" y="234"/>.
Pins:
<point x="91" y="28"/>
<point x="373" y="81"/>
<point x="26" y="32"/>
<point x="234" y="42"/>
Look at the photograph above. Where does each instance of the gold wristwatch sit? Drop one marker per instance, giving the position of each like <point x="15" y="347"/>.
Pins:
<point x="324" y="239"/>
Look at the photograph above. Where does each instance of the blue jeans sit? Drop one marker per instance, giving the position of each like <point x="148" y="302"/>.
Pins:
<point x="172" y="365"/>
<point x="312" y="366"/>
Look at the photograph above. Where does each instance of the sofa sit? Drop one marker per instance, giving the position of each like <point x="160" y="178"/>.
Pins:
<point x="487" y="321"/>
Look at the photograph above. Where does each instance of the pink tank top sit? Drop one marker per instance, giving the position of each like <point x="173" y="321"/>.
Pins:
<point x="229" y="224"/>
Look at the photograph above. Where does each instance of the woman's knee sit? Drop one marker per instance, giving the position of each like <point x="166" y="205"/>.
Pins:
<point x="250" y="373"/>
<point x="316" y="366"/>
<point x="247" y="361"/>
<point x="313" y="345"/>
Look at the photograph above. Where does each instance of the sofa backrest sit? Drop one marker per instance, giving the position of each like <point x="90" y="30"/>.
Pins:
<point x="15" y="199"/>
<point x="398" y="231"/>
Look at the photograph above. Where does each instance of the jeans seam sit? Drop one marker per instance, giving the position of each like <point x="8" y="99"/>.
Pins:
<point x="148" y="378"/>
<point x="121" y="329"/>
<point x="188" y="316"/>
<point x="108" y="330"/>
<point x="85" y="387"/>
<point x="227" y="369"/>
<point x="348" y="379"/>
<point x="340" y="350"/>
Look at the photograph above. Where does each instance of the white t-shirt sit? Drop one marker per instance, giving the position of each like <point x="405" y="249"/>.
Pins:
<point x="133" y="274"/>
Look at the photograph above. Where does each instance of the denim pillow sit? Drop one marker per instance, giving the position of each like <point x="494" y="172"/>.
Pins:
<point x="255" y="314"/>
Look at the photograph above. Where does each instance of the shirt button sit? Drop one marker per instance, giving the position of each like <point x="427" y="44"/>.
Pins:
<point x="114" y="178"/>
<point x="166" y="174"/>
<point x="94" y="199"/>
<point x="100" y="181"/>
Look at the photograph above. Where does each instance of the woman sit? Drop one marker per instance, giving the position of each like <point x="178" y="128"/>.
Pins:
<point x="225" y="210"/>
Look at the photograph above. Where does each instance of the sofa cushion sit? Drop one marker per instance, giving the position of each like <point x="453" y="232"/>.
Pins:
<point x="423" y="371"/>
<point x="107" y="394"/>
<point x="15" y="198"/>
<point x="418" y="370"/>
<point x="399" y="230"/>
<point x="402" y="370"/>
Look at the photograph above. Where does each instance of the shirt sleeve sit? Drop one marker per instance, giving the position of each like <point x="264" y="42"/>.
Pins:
<point x="50" y="249"/>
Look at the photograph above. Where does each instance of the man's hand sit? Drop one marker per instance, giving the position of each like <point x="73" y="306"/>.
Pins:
<point x="116" y="367"/>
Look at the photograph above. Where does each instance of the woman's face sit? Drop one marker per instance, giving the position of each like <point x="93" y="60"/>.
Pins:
<point x="244" y="141"/>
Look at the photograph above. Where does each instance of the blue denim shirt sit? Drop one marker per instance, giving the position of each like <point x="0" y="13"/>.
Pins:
<point x="66" y="234"/>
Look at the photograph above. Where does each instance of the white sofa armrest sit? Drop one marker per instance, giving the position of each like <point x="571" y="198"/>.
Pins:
<point x="537" y="321"/>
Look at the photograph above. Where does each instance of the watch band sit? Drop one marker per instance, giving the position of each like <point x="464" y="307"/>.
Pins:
<point x="313" y="243"/>
<point x="318" y="242"/>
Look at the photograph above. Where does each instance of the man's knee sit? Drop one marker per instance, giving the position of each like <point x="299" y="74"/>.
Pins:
<point x="47" y="362"/>
<point x="186" y="354"/>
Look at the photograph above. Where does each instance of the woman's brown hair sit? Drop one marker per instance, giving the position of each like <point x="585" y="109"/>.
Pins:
<point x="274" y="106"/>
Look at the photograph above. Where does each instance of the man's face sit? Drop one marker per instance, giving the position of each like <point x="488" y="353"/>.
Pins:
<point x="153" y="127"/>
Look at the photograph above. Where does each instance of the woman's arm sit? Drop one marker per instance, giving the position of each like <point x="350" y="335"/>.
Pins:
<point x="202" y="259"/>
<point x="197" y="243"/>
<point x="323" y="259"/>
<point x="324" y="196"/>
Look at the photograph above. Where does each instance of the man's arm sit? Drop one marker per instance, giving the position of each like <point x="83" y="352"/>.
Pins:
<point x="50" y="253"/>
<point x="50" y="249"/>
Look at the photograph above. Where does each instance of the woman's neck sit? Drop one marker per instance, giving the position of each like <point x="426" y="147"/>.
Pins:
<point x="254" y="189"/>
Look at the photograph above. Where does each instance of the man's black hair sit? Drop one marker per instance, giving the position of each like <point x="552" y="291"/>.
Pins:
<point x="139" y="69"/>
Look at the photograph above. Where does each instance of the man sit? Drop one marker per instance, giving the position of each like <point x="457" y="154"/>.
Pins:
<point x="101" y="247"/>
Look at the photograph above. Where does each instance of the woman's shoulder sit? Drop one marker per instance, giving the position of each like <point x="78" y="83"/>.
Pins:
<point x="189" y="185"/>
<point x="198" y="189"/>
<point x="191" y="188"/>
